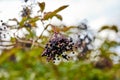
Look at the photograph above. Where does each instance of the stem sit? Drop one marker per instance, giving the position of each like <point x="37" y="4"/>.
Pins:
<point x="20" y="41"/>
<point x="29" y="42"/>
<point x="43" y="31"/>
<point x="45" y="27"/>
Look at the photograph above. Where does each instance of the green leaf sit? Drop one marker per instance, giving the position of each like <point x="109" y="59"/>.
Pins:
<point x="60" y="8"/>
<point x="50" y="15"/>
<point x="59" y="17"/>
<point x="114" y="28"/>
<point x="103" y="28"/>
<point x="21" y="23"/>
<point x="32" y="21"/>
<point x="13" y="39"/>
<point x="36" y="18"/>
<point x="42" y="6"/>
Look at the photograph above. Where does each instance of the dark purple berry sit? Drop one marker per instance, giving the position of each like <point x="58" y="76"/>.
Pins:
<point x="58" y="44"/>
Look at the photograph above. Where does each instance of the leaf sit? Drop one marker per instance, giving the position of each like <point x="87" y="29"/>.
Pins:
<point x="60" y="8"/>
<point x="59" y="17"/>
<point x="114" y="28"/>
<point x="22" y="21"/>
<point x="34" y="19"/>
<point x="65" y="28"/>
<point x="103" y="28"/>
<point x="55" y="28"/>
<point x="33" y="24"/>
<point x="42" y="6"/>
<point x="13" y="39"/>
<point x="50" y="15"/>
<point x="113" y="43"/>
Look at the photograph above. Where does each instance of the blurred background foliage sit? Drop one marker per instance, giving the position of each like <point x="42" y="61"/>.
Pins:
<point x="24" y="61"/>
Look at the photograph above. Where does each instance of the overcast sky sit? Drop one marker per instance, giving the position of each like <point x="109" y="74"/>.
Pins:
<point x="97" y="12"/>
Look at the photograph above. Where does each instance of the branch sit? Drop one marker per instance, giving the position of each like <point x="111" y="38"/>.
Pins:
<point x="19" y="41"/>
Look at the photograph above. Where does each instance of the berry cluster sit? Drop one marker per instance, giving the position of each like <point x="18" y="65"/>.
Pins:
<point x="84" y="40"/>
<point x="26" y="12"/>
<point x="79" y="43"/>
<point x="56" y="47"/>
<point x="83" y="44"/>
<point x="3" y="30"/>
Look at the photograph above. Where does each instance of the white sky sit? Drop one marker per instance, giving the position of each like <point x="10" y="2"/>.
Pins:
<point x="97" y="12"/>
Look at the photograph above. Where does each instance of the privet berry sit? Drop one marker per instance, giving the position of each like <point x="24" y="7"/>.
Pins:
<point x="56" y="47"/>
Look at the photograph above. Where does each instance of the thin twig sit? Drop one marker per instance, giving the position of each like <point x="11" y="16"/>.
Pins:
<point x="43" y="31"/>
